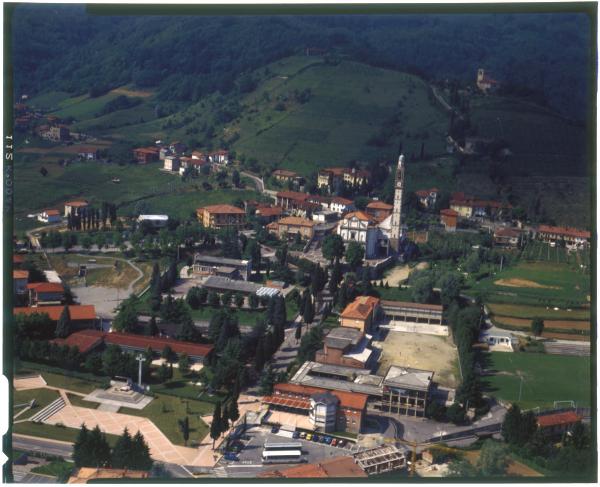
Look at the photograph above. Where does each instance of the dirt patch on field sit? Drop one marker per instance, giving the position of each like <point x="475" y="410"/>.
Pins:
<point x="420" y="351"/>
<point x="519" y="469"/>
<point x="401" y="273"/>
<point x="128" y="92"/>
<point x="517" y="282"/>
<point x="554" y="324"/>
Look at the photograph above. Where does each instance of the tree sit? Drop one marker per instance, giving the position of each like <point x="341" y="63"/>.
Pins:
<point x="187" y="331"/>
<point x="184" y="363"/>
<point x="215" y="425"/>
<point x="155" y="288"/>
<point x="184" y="427"/>
<point x="298" y="333"/>
<point x="162" y="373"/>
<point x="537" y="326"/>
<point x="153" y="329"/>
<point x="333" y="247"/>
<point x="422" y="290"/>
<point x="511" y="426"/>
<point x="193" y="297"/>
<point x="493" y="458"/>
<point x="253" y="301"/>
<point x="167" y="353"/>
<point x="213" y="299"/>
<point x="235" y="178"/>
<point x="63" y="326"/>
<point x="122" y="450"/>
<point x="267" y="381"/>
<point x="450" y="285"/>
<point x="308" y="312"/>
<point x="81" y="451"/>
<point x="232" y="410"/>
<point x="140" y="458"/>
<point x="127" y="316"/>
<point x="354" y="255"/>
<point x="455" y="413"/>
<point x="318" y="280"/>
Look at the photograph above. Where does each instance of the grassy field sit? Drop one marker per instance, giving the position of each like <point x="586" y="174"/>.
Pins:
<point x="53" y="432"/>
<point x="394" y="293"/>
<point x="165" y="410"/>
<point x="69" y="383"/>
<point x="546" y="378"/>
<point x="78" y="401"/>
<point x="42" y="397"/>
<point x="57" y="468"/>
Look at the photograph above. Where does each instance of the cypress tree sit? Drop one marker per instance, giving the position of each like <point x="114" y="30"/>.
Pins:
<point x="81" y="453"/>
<point x="215" y="425"/>
<point x="63" y="326"/>
<point x="141" y="459"/>
<point x="122" y="451"/>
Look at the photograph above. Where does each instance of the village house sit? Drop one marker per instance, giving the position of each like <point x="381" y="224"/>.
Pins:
<point x="45" y="293"/>
<point x="379" y="210"/>
<point x="75" y="207"/>
<point x="219" y="157"/>
<point x="484" y="82"/>
<point x="164" y="152"/>
<point x="570" y="236"/>
<point x="81" y="316"/>
<point x="284" y="176"/>
<point x="331" y="177"/>
<point x="360" y="313"/>
<point x="49" y="216"/>
<point x="88" y="153"/>
<point x="171" y="164"/>
<point x="340" y="205"/>
<point x="20" y="280"/>
<point x="177" y="147"/>
<point x="469" y="207"/>
<point x="449" y="219"/>
<point x="298" y="204"/>
<point x="507" y="237"/>
<point x="346" y="346"/>
<point x="427" y="197"/>
<point x="327" y="410"/>
<point x="557" y="424"/>
<point x="58" y="133"/>
<point x="292" y="225"/>
<point x="221" y="217"/>
<point x="185" y="162"/>
<point x="145" y="155"/>
<point x="267" y="214"/>
<point x="324" y="216"/>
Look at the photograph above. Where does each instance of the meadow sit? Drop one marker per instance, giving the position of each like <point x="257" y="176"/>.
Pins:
<point x="546" y="378"/>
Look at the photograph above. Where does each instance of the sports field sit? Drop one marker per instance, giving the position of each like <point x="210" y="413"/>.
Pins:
<point x="546" y="378"/>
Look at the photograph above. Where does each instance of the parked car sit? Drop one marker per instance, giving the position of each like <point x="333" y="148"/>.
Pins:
<point x="309" y="436"/>
<point x="341" y="443"/>
<point x="323" y="439"/>
<point x="295" y="435"/>
<point x="316" y="438"/>
<point x="275" y="429"/>
<point x="302" y="435"/>
<point x="333" y="441"/>
<point x="328" y="439"/>
<point x="232" y="457"/>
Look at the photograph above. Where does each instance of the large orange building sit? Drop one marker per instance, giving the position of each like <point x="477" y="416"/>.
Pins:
<point x="359" y="313"/>
<point x="221" y="217"/>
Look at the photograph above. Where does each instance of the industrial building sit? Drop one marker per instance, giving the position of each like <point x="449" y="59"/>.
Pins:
<point x="207" y="265"/>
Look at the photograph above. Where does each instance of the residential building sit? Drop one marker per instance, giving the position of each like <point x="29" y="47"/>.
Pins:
<point x="414" y="317"/>
<point x="293" y="225"/>
<point x="360" y="313"/>
<point x="201" y="156"/>
<point x="49" y="216"/>
<point x="219" y="157"/>
<point x="497" y="340"/>
<point x="484" y="82"/>
<point x="164" y="152"/>
<point x="222" y="217"/>
<point x="45" y="293"/>
<point x="406" y="391"/>
<point x="379" y="210"/>
<point x="568" y="235"/>
<point x="449" y="219"/>
<point x="145" y="155"/>
<point x="427" y="197"/>
<point x="296" y="203"/>
<point x="338" y="410"/>
<point x="18" y="261"/>
<point x="324" y="216"/>
<point x="346" y="346"/>
<point x="285" y="176"/>
<point x="268" y="214"/>
<point x="75" y="207"/>
<point x="558" y="424"/>
<point x="58" y="133"/>
<point x="476" y="208"/>
<point x="20" y="280"/>
<point x="171" y="164"/>
<point x="154" y="221"/>
<point x="332" y="177"/>
<point x="336" y="467"/>
<point x="89" y="153"/>
<point x="194" y="163"/>
<point x="208" y="265"/>
<point x="340" y="205"/>
<point x="507" y="237"/>
<point x="82" y="316"/>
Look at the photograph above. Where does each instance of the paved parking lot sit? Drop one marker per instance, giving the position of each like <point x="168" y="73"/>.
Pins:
<point x="251" y="454"/>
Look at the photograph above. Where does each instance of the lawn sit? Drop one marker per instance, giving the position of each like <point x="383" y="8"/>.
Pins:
<point x="42" y="397"/>
<point x="78" y="401"/>
<point x="53" y="432"/>
<point x="395" y="293"/>
<point x="70" y="383"/>
<point x="57" y="468"/>
<point x="165" y="411"/>
<point x="546" y="378"/>
<point x="530" y="312"/>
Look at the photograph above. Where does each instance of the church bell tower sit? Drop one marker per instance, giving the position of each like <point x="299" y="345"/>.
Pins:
<point x="396" y="230"/>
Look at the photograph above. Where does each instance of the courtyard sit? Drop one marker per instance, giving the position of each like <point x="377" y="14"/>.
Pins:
<point x="419" y="351"/>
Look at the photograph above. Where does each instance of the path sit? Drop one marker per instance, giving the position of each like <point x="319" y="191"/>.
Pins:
<point x="132" y="283"/>
<point x="260" y="185"/>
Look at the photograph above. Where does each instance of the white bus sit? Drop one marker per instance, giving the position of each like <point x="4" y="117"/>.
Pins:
<point x="291" y="445"/>
<point x="282" y="456"/>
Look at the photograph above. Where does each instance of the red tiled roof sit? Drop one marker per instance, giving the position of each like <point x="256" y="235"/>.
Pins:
<point x="296" y="221"/>
<point x="423" y="193"/>
<point x="344" y="467"/>
<point x="77" y="312"/>
<point x="351" y="400"/>
<point x="269" y="211"/>
<point x="341" y="201"/>
<point x="507" y="232"/>
<point x="285" y="173"/>
<point x="360" y="308"/>
<point x="84" y="342"/>
<point x="20" y="274"/>
<point x="379" y="205"/>
<point x="557" y="419"/>
<point x="46" y="287"/>
<point x="566" y="231"/>
<point x="361" y="215"/>
<point x="158" y="343"/>
<point x="228" y="209"/>
<point x="18" y="259"/>
<point x="448" y="212"/>
<point x="289" y="402"/>
<point x="77" y="203"/>
<point x="51" y="212"/>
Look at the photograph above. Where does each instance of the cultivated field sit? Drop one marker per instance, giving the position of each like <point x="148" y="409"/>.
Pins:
<point x="420" y="351"/>
<point x="546" y="378"/>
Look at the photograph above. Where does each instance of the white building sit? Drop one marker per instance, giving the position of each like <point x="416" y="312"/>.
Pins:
<point x="323" y="411"/>
<point x="156" y="221"/>
<point x="359" y="227"/>
<point x="49" y="216"/>
<point x="171" y="163"/>
<point x="341" y="205"/>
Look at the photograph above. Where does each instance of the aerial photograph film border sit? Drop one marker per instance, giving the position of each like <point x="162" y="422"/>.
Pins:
<point x="322" y="264"/>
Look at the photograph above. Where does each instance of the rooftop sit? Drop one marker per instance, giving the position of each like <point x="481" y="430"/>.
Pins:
<point x="296" y="221"/>
<point x="218" y="282"/>
<point x="558" y="419"/>
<point x="293" y="195"/>
<point x="76" y="311"/>
<point x="379" y="205"/>
<point x="347" y="400"/>
<point x="361" y="215"/>
<point x="153" y="217"/>
<point x="227" y="209"/>
<point x="406" y="377"/>
<point x="343" y="336"/>
<point x="20" y="274"/>
<point x="210" y="259"/>
<point x="412" y="306"/>
<point x="360" y="308"/>
<point x="77" y="203"/>
<point x="566" y="231"/>
<point x="46" y="287"/>
<point x="332" y="467"/>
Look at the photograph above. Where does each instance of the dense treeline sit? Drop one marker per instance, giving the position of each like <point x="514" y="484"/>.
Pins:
<point x="185" y="58"/>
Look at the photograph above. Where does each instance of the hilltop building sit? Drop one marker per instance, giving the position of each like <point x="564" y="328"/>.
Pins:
<point x="484" y="82"/>
<point x="221" y="217"/>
